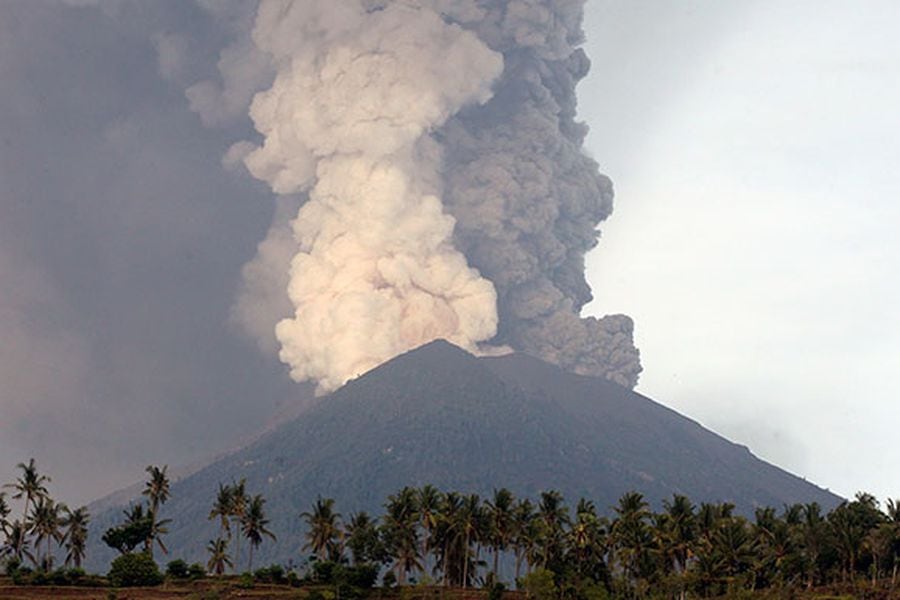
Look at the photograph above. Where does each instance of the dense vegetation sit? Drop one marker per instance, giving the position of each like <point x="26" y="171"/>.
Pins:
<point x="429" y="537"/>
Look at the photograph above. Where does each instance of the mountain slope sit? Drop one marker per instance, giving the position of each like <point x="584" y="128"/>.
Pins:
<point x="439" y="415"/>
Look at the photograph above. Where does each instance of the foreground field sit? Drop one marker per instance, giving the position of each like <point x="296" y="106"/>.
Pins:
<point x="221" y="589"/>
<point x="227" y="588"/>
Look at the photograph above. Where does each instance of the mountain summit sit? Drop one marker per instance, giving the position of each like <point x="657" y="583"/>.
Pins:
<point x="442" y="416"/>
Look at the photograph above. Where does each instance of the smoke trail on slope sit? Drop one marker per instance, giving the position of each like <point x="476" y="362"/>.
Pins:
<point x="424" y="154"/>
<point x="348" y="117"/>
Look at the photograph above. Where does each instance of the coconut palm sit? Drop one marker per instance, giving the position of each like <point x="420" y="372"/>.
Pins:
<point x="239" y="502"/>
<point x="46" y="524"/>
<point x="500" y="523"/>
<point x="429" y="500"/>
<point x="631" y="535"/>
<point x="75" y="536"/>
<point x="29" y="486"/>
<point x="552" y="516"/>
<point x="222" y="509"/>
<point x="17" y="545"/>
<point x="156" y="490"/>
<point x="323" y="536"/>
<point x="468" y="529"/>
<point x="363" y="539"/>
<point x="4" y="514"/>
<point x="218" y="556"/>
<point x="253" y="525"/>
<point x="525" y="534"/>
<point x="400" y="532"/>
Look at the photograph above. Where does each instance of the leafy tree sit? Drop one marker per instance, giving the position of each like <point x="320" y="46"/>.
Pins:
<point x="132" y="533"/>
<point x="363" y="539"/>
<point x="134" y="569"/>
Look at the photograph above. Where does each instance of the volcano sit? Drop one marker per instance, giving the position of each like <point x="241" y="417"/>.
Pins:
<point x="439" y="415"/>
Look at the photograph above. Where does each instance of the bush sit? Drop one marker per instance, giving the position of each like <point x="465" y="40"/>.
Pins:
<point x="389" y="580"/>
<point x="177" y="569"/>
<point x="495" y="591"/>
<point x="539" y="585"/>
<point x="361" y="576"/>
<point x="246" y="581"/>
<point x="137" y="569"/>
<point x="196" y="571"/>
<point x="270" y="574"/>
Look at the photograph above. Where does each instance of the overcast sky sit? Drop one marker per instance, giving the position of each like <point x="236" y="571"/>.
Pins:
<point x="754" y="150"/>
<point x="752" y="146"/>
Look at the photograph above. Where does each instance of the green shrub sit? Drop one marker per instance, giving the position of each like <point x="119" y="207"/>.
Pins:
<point x="177" y="569"/>
<point x="389" y="580"/>
<point x="539" y="585"/>
<point x="196" y="571"/>
<point x="495" y="590"/>
<point x="137" y="569"/>
<point x="361" y="576"/>
<point x="270" y="574"/>
<point x="246" y="581"/>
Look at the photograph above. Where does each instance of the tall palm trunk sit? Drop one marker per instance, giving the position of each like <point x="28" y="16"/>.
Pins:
<point x="237" y="546"/>
<point x="465" y="581"/>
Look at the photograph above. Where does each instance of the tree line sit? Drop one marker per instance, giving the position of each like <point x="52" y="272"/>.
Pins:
<point x="462" y="540"/>
<point x="543" y="545"/>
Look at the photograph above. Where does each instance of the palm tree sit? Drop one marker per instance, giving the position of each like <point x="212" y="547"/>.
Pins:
<point x="46" y="524"/>
<point x="469" y="525"/>
<point x="525" y="533"/>
<point x="631" y="534"/>
<point x="429" y="501"/>
<point x="401" y="533"/>
<point x="362" y="538"/>
<point x="324" y="534"/>
<point x="17" y="545"/>
<point x="218" y="556"/>
<point x="239" y="502"/>
<point x="75" y="536"/>
<point x="157" y="492"/>
<point x="30" y="486"/>
<point x="222" y="509"/>
<point x="553" y="516"/>
<point x="500" y="519"/>
<point x="586" y="541"/>
<point x="4" y="514"/>
<point x="253" y="525"/>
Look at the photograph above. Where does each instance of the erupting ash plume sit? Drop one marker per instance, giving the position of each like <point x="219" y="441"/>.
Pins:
<point x="442" y="186"/>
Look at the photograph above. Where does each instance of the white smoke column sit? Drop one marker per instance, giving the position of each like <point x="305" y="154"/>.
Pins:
<point x="357" y="92"/>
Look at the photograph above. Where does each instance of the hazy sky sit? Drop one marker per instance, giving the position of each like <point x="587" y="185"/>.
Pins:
<point x="752" y="145"/>
<point x="754" y="150"/>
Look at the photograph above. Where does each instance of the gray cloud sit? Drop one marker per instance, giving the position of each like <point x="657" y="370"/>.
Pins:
<point x="121" y="239"/>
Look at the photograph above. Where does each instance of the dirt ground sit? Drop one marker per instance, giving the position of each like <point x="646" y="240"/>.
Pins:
<point x="218" y="590"/>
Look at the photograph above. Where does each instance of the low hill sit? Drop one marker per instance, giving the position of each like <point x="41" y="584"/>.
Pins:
<point x="442" y="416"/>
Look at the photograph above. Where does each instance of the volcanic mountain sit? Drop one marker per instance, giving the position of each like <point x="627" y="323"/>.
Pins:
<point x="442" y="416"/>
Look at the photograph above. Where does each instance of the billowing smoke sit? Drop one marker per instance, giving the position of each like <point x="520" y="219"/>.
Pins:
<point x="434" y="148"/>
